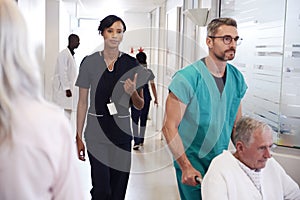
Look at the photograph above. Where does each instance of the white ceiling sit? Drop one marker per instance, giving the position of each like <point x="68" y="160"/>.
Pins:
<point x="101" y="8"/>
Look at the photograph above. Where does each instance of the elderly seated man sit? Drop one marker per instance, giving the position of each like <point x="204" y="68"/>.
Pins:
<point x="250" y="172"/>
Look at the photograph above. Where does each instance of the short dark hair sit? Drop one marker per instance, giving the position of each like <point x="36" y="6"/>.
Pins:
<point x="213" y="26"/>
<point x="73" y="37"/>
<point x="108" y="22"/>
<point x="141" y="57"/>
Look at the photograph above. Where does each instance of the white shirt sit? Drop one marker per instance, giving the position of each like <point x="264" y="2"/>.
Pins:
<point x="226" y="180"/>
<point x="254" y="175"/>
<point x="41" y="162"/>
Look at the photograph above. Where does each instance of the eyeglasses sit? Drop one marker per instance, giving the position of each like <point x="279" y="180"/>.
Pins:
<point x="227" y="39"/>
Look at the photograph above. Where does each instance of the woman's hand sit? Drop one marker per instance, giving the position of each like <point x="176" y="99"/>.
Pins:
<point x="80" y="148"/>
<point x="130" y="85"/>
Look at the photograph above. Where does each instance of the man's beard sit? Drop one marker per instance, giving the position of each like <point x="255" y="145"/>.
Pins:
<point x="223" y="57"/>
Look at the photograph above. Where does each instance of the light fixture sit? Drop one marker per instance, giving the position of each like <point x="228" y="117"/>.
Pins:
<point x="198" y="16"/>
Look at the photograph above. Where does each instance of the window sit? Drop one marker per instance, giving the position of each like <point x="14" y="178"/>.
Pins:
<point x="269" y="58"/>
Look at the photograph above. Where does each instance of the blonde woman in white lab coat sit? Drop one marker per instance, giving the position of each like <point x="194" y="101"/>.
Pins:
<point x="37" y="150"/>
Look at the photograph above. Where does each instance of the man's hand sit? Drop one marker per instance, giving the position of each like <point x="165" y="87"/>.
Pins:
<point x="155" y="102"/>
<point x="68" y="93"/>
<point x="189" y="176"/>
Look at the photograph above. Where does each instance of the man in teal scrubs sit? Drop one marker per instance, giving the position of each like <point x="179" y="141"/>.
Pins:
<point x="202" y="107"/>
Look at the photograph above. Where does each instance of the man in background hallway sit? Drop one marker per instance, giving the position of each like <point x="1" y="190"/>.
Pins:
<point x="65" y="74"/>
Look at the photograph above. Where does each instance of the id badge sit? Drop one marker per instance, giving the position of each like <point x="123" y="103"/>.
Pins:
<point x="112" y="108"/>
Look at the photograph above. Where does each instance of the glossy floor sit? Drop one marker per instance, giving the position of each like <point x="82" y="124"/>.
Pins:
<point x="152" y="174"/>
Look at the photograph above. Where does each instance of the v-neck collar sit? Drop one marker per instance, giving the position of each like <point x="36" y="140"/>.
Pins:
<point x="210" y="78"/>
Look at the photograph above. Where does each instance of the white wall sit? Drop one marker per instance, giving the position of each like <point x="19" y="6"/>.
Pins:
<point x="48" y="25"/>
<point x="58" y="28"/>
<point x="157" y="59"/>
<point x="34" y="14"/>
<point x="51" y="43"/>
<point x="138" y="32"/>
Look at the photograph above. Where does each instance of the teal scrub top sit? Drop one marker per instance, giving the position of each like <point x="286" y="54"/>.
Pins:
<point x="207" y="123"/>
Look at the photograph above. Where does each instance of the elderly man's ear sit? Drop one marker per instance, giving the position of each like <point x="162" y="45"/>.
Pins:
<point x="239" y="146"/>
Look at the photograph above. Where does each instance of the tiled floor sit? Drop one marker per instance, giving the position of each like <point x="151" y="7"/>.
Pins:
<point x="152" y="175"/>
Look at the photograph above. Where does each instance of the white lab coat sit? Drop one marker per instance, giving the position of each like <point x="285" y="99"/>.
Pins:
<point x="226" y="180"/>
<point x="41" y="162"/>
<point x="64" y="78"/>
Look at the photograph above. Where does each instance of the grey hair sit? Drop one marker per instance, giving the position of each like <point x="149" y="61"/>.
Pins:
<point x="245" y="127"/>
<point x="19" y="72"/>
<point x="213" y="26"/>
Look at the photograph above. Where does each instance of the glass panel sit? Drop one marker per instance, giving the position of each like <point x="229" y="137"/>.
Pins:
<point x="272" y="74"/>
<point x="290" y="100"/>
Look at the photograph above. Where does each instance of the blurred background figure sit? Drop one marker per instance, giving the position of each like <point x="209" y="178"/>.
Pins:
<point x="64" y="93"/>
<point x="139" y="117"/>
<point x="37" y="153"/>
<point x="250" y="172"/>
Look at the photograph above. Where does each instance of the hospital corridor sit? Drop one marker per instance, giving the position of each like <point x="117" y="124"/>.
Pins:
<point x="187" y="70"/>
